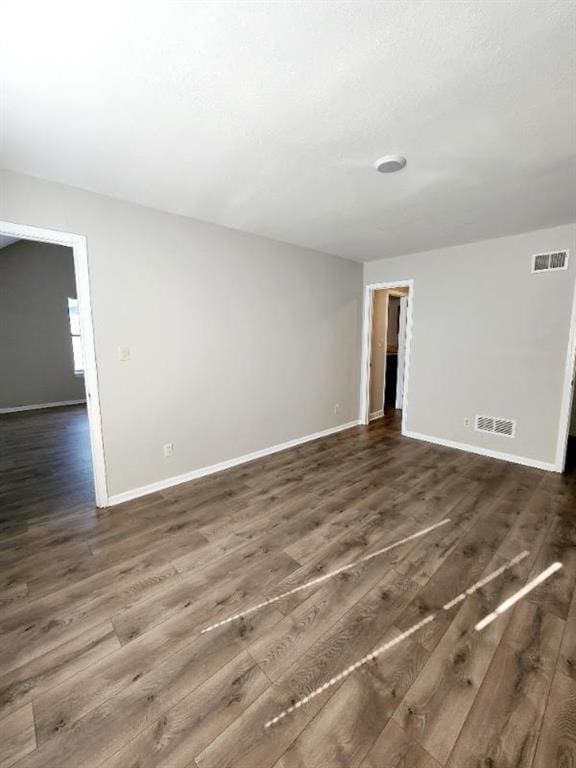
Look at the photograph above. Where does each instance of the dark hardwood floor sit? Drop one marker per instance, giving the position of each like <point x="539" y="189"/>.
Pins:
<point x="45" y="465"/>
<point x="103" y="661"/>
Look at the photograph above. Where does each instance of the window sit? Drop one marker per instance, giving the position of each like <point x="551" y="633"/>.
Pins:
<point x="74" y="318"/>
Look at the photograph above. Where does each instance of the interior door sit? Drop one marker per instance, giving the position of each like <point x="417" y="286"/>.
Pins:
<point x="401" y="352"/>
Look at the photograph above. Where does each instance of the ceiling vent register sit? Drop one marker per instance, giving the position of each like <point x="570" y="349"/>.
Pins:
<point x="550" y="262"/>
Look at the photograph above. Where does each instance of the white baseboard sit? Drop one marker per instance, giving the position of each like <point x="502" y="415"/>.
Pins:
<point x="548" y="466"/>
<point x="41" y="406"/>
<point x="144" y="490"/>
<point x="376" y="415"/>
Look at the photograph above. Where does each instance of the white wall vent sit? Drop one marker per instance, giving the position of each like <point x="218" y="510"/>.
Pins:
<point x="549" y="262"/>
<point x="505" y="427"/>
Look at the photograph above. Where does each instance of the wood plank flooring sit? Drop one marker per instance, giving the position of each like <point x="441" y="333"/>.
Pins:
<point x="102" y="657"/>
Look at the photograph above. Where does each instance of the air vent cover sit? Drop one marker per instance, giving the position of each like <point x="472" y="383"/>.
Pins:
<point x="549" y="262"/>
<point x="505" y="427"/>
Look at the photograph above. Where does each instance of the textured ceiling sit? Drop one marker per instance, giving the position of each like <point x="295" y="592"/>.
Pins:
<point x="267" y="116"/>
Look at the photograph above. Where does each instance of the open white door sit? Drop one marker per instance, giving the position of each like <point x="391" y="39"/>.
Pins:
<point x="401" y="353"/>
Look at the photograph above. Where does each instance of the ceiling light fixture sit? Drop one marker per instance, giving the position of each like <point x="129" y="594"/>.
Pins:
<point x="390" y="164"/>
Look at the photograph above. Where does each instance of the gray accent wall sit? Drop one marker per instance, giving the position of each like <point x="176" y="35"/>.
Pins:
<point x="237" y="342"/>
<point x="489" y="338"/>
<point x="36" y="361"/>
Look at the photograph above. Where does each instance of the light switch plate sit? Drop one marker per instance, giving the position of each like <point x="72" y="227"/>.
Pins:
<point x="123" y="354"/>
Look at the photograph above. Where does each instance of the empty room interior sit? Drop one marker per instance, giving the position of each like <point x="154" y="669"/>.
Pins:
<point x="287" y="363"/>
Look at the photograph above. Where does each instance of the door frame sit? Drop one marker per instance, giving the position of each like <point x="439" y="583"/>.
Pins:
<point x="82" y="279"/>
<point x="367" y="344"/>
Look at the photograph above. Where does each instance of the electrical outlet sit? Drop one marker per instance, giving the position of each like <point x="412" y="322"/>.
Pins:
<point x="168" y="449"/>
<point x="467" y="422"/>
<point x="336" y="407"/>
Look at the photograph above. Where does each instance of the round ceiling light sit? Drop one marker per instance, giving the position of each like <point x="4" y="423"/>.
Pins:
<point x="390" y="164"/>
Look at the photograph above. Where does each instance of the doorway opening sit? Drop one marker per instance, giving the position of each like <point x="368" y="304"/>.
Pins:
<point x="50" y="424"/>
<point x="386" y="352"/>
<point x="566" y="446"/>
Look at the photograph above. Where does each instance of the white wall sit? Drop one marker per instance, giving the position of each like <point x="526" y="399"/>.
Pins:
<point x="489" y="338"/>
<point x="36" y="360"/>
<point x="238" y="342"/>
